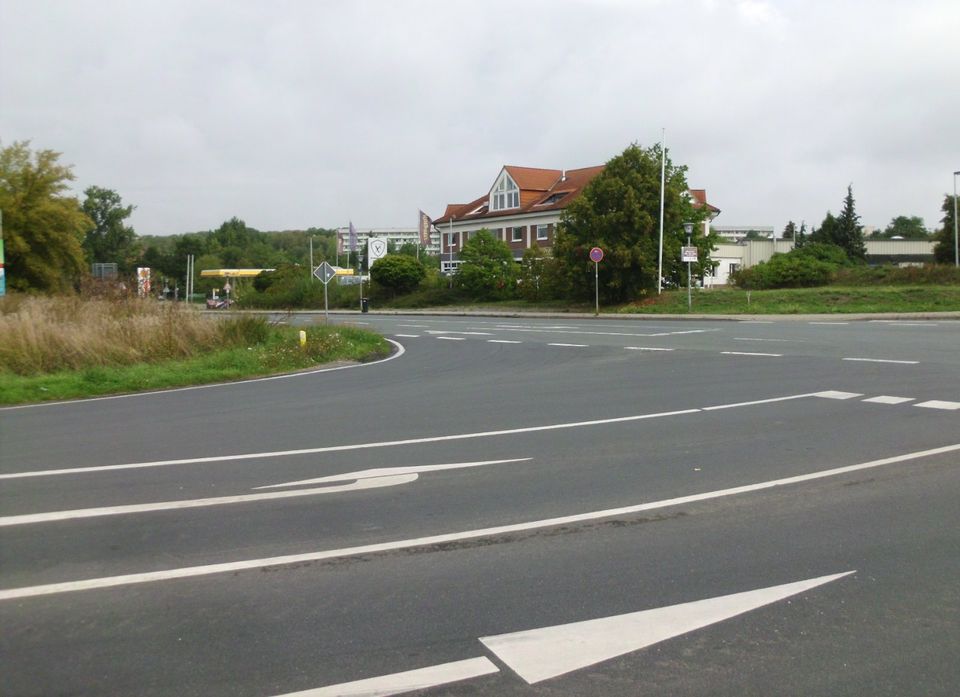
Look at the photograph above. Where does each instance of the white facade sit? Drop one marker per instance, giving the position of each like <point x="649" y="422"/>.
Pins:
<point x="398" y="236"/>
<point x="730" y="257"/>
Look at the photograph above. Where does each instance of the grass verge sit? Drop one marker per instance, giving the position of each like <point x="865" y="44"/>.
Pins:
<point x="824" y="300"/>
<point x="253" y="348"/>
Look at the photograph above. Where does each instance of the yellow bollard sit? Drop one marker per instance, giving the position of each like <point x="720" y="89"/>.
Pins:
<point x="303" y="339"/>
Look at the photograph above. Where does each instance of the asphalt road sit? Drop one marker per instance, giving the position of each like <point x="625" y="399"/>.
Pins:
<point x="506" y="507"/>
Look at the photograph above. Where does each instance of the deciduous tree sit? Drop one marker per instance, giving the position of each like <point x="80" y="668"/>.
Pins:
<point x="43" y="228"/>
<point x="619" y="211"/>
<point x="110" y="240"/>
<point x="488" y="270"/>
<point x="909" y="228"/>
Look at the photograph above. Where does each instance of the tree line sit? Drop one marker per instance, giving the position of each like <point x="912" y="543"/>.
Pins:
<point x="52" y="238"/>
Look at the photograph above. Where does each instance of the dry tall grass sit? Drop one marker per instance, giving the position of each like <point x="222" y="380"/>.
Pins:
<point x="42" y="335"/>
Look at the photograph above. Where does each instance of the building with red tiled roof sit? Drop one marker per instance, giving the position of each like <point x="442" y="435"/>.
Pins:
<point x="522" y="208"/>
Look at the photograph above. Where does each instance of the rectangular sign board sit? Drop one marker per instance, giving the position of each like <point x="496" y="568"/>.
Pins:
<point x="689" y="254"/>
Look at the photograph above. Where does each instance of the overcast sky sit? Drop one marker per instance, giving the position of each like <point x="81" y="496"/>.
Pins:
<point x="311" y="113"/>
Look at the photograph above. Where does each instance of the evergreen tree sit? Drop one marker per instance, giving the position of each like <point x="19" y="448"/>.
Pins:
<point x="849" y="230"/>
<point x="945" y="250"/>
<point x="801" y="237"/>
<point x="789" y="231"/>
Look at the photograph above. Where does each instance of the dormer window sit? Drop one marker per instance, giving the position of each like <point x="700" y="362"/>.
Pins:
<point x="553" y="198"/>
<point x="505" y="194"/>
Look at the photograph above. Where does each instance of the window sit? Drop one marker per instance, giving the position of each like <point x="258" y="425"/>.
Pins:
<point x="553" y="198"/>
<point x="505" y="194"/>
<point x="517" y="235"/>
<point x="541" y="232"/>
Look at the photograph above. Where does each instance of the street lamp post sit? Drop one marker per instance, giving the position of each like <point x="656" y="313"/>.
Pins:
<point x="688" y="228"/>
<point x="956" y="247"/>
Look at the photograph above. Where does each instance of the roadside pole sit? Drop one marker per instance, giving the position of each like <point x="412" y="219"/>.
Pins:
<point x="325" y="273"/>
<point x="596" y="256"/>
<point x="689" y="254"/>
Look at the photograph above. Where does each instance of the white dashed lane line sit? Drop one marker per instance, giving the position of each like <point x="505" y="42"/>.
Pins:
<point x="887" y="399"/>
<point x="502" y="341"/>
<point x="451" y="338"/>
<point x="747" y="353"/>
<point x="646" y="348"/>
<point x="881" y="360"/>
<point x="570" y="345"/>
<point x="937" y="404"/>
<point x="408" y="336"/>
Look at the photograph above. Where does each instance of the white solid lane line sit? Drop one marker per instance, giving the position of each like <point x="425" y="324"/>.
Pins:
<point x="393" y="443"/>
<point x="881" y="360"/>
<point x="229" y="567"/>
<point x="371" y="483"/>
<point x="540" y="654"/>
<point x="408" y="681"/>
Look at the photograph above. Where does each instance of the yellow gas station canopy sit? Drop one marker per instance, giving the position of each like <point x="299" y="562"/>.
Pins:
<point x="232" y="273"/>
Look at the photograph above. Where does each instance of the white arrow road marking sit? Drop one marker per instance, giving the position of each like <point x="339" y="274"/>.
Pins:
<point x="372" y="483"/>
<point x="540" y="654"/>
<point x="398" y="683"/>
<point x="391" y="471"/>
<point x="234" y="566"/>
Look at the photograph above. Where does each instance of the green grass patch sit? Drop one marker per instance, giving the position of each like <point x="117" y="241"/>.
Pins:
<point x="786" y="301"/>
<point x="274" y="349"/>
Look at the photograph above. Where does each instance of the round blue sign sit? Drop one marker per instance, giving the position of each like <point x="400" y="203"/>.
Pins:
<point x="596" y="255"/>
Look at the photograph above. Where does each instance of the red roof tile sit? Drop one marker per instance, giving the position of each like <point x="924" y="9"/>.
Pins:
<point x="540" y="191"/>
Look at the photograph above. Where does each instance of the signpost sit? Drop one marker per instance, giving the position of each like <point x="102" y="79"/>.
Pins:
<point x="325" y="273"/>
<point x="596" y="256"/>
<point x="688" y="255"/>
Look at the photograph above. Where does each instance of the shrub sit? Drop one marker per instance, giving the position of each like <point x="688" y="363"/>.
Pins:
<point x="398" y="273"/>
<point x="810" y="265"/>
<point x="930" y="274"/>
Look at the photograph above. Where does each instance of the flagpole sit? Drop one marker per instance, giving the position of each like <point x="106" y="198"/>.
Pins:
<point x="663" y="172"/>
